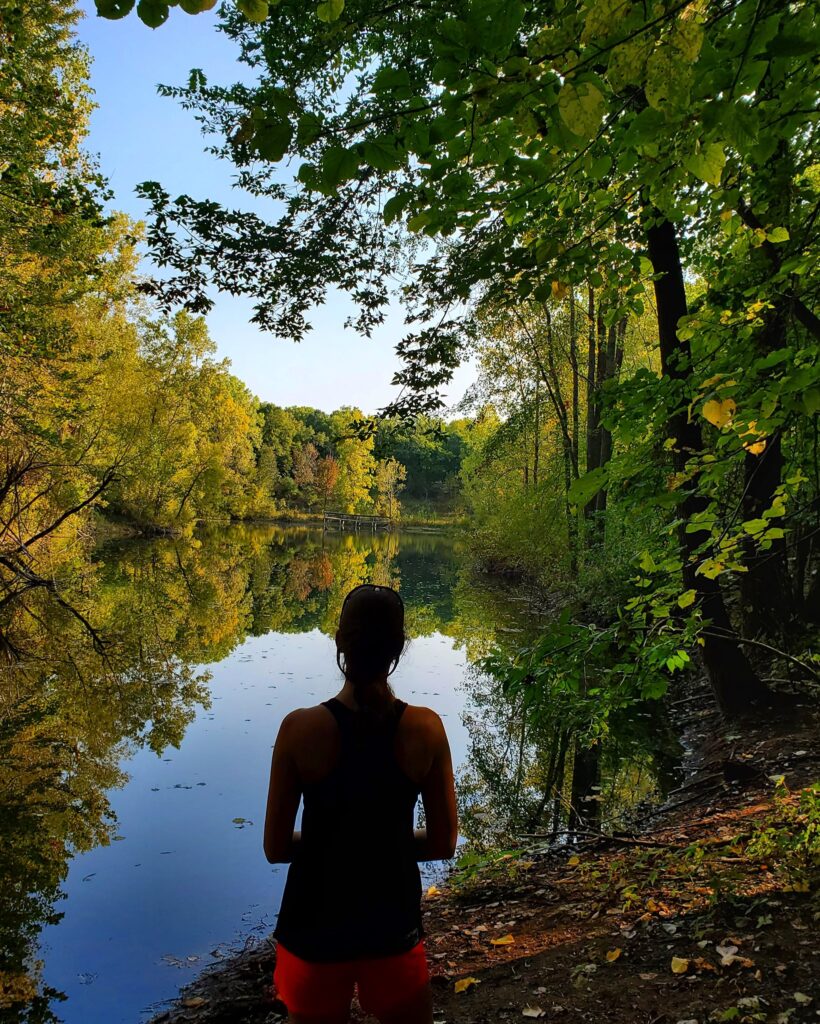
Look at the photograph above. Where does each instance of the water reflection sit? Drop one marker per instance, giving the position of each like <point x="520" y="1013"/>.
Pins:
<point x="529" y="777"/>
<point x="120" y="788"/>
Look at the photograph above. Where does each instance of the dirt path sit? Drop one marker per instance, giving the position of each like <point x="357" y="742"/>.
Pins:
<point x="711" y="915"/>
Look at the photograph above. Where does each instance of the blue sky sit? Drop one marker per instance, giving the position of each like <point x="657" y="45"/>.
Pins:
<point x="140" y="136"/>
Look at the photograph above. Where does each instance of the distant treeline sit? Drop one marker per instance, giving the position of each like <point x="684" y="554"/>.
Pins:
<point x="313" y="461"/>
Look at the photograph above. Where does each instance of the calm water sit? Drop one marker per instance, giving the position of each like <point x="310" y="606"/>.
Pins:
<point x="133" y="775"/>
<point x="213" y="642"/>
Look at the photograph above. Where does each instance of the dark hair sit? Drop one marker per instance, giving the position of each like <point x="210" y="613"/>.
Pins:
<point x="370" y="640"/>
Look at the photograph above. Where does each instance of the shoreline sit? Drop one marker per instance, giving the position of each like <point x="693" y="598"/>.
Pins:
<point x="104" y="528"/>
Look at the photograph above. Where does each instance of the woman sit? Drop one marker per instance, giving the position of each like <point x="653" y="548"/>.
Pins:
<point x="351" y="910"/>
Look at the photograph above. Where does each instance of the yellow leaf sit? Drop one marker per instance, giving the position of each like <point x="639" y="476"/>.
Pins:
<point x="719" y="413"/>
<point x="505" y="940"/>
<point x="464" y="983"/>
<point x="651" y="905"/>
<point x="613" y="954"/>
<point x="559" y="290"/>
<point x="434" y="891"/>
<point x="679" y="965"/>
<point x="573" y="862"/>
<point x="756" y="449"/>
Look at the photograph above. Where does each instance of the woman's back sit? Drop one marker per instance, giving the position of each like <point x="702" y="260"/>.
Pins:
<point x="353" y="889"/>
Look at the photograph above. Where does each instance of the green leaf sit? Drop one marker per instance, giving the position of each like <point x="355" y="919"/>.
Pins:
<point x="394" y="207"/>
<point x="647" y="562"/>
<point x="810" y="400"/>
<point x="687" y="598"/>
<point x="338" y="165"/>
<point x="587" y="486"/>
<point x="778" y="235"/>
<point x="330" y="10"/>
<point x="392" y="80"/>
<point x="708" y="164"/>
<point x="197" y="6"/>
<point x="785" y="45"/>
<point x="114" y="9"/>
<point x="383" y="154"/>
<point x="254" y="10"/>
<point x="582" y="108"/>
<point x="668" y="79"/>
<point x="272" y="139"/>
<point x="309" y="128"/>
<point x="153" y="13"/>
<point x="420" y="220"/>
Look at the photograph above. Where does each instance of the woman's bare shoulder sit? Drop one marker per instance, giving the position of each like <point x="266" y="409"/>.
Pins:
<point x="423" y="720"/>
<point x="303" y="722"/>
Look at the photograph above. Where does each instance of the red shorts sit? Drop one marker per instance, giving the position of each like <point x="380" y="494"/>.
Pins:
<point x="326" y="990"/>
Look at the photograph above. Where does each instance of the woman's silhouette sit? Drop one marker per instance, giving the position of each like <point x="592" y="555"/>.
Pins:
<point x="351" y="910"/>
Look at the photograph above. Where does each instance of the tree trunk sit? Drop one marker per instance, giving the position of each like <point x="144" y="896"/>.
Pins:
<point x="536" y="446"/>
<point x="736" y="686"/>
<point x="573" y="361"/>
<point x="592" y="416"/>
<point x="609" y="363"/>
<point x="586" y="774"/>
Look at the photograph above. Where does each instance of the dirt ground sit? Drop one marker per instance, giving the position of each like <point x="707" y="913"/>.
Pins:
<point x="702" y="914"/>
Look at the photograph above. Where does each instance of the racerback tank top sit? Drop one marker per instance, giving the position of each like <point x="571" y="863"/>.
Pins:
<point x="353" y="888"/>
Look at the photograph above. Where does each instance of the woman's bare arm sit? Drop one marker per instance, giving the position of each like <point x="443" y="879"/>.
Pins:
<point x="284" y="794"/>
<point x="438" y="794"/>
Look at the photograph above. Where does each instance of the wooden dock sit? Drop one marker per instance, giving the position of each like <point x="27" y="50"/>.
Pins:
<point x="342" y="521"/>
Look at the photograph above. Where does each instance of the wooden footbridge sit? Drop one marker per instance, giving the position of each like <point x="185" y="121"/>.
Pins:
<point x="343" y="521"/>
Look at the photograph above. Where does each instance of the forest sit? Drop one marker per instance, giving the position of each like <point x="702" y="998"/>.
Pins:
<point x="613" y="209"/>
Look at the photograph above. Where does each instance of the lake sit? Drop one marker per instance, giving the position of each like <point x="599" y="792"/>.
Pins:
<point x="137" y="717"/>
<point x="163" y="740"/>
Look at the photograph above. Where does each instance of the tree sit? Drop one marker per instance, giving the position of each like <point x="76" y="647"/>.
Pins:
<point x="327" y="476"/>
<point x="388" y="482"/>
<point x="356" y="462"/>
<point x="305" y="462"/>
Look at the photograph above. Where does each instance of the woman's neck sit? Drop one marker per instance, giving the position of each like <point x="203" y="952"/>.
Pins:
<point x="380" y="686"/>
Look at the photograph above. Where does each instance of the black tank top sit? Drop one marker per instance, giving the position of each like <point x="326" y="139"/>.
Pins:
<point x="353" y="889"/>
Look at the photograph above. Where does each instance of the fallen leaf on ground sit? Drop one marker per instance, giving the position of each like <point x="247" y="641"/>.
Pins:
<point x="679" y="965"/>
<point x="613" y="954"/>
<point x="801" y="997"/>
<point x="505" y="940"/>
<point x="573" y="862"/>
<point x="731" y="958"/>
<point x="532" y="1011"/>
<point x="194" y="1002"/>
<point x="647" y="977"/>
<point x="464" y="983"/>
<point x="433" y="890"/>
